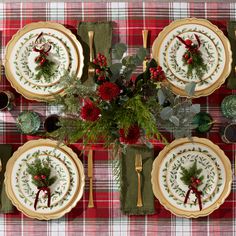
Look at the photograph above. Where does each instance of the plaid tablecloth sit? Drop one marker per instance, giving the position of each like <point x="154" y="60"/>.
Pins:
<point x="106" y="219"/>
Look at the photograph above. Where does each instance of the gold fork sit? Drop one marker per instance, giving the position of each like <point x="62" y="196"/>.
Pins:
<point x="138" y="169"/>
<point x="91" y="70"/>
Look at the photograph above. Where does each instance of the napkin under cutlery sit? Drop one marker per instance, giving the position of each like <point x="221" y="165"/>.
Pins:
<point x="102" y="41"/>
<point x="231" y="28"/>
<point x="129" y="181"/>
<point x="5" y="204"/>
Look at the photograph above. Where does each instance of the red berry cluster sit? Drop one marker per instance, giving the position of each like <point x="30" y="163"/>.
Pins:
<point x="188" y="58"/>
<point x="195" y="181"/>
<point x="100" y="60"/>
<point x="39" y="177"/>
<point x="101" y="75"/>
<point x="157" y="73"/>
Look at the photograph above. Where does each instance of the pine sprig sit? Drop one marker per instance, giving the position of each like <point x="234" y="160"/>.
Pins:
<point x="45" y="70"/>
<point x="196" y="65"/>
<point x="193" y="171"/>
<point x="40" y="172"/>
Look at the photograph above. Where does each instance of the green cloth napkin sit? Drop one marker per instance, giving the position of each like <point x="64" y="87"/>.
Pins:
<point x="231" y="27"/>
<point x="129" y="181"/>
<point x="102" y="42"/>
<point x="5" y="204"/>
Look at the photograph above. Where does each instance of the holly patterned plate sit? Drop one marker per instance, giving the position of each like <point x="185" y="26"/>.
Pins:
<point x="65" y="192"/>
<point x="170" y="189"/>
<point x="215" y="50"/>
<point x="20" y="66"/>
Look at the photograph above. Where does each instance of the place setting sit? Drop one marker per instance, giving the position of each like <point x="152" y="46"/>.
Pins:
<point x="104" y="100"/>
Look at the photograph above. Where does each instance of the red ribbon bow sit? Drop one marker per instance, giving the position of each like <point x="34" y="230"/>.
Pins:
<point x="189" y="46"/>
<point x="45" y="189"/>
<point x="44" y="49"/>
<point x="193" y="188"/>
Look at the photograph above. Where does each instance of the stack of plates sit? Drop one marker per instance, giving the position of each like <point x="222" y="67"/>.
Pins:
<point x="20" y="65"/>
<point x="170" y="189"/>
<point x="65" y="192"/>
<point x="215" y="49"/>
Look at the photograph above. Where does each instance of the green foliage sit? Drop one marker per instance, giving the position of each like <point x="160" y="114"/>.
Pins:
<point x="119" y="50"/>
<point x="193" y="171"/>
<point x="190" y="88"/>
<point x="39" y="168"/>
<point x="197" y="65"/>
<point x="46" y="70"/>
<point x="142" y="103"/>
<point x="176" y="113"/>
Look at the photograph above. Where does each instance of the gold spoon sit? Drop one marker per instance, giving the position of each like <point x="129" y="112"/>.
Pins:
<point x="145" y="36"/>
<point x="91" y="70"/>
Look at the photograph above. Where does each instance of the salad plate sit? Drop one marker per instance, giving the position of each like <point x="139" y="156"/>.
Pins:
<point x="21" y="59"/>
<point x="66" y="191"/>
<point x="214" y="47"/>
<point x="169" y="187"/>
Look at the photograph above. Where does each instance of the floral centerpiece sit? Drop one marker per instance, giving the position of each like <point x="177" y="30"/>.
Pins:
<point x="122" y="108"/>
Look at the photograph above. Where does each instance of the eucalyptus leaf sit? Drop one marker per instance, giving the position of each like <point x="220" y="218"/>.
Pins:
<point x="131" y="61"/>
<point x="115" y="70"/>
<point x="174" y="120"/>
<point x="190" y="88"/>
<point x="119" y="50"/>
<point x="166" y="112"/>
<point x="195" y="108"/>
<point x="142" y="52"/>
<point x="161" y="97"/>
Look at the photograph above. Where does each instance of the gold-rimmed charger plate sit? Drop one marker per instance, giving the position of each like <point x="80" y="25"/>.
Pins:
<point x="65" y="192"/>
<point x="171" y="191"/>
<point x="66" y="52"/>
<point x="215" y="49"/>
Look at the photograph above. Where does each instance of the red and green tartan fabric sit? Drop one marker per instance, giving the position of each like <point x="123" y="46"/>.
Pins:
<point x="106" y="218"/>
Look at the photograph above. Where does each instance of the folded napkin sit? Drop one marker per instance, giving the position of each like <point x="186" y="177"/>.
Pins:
<point x="129" y="181"/>
<point x="231" y="27"/>
<point x="102" y="41"/>
<point x="5" y="204"/>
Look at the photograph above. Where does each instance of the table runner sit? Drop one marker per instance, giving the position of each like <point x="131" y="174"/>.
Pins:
<point x="106" y="218"/>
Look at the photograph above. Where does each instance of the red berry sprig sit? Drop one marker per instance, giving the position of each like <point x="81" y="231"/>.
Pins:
<point x="157" y="73"/>
<point x="40" y="177"/>
<point x="100" y="60"/>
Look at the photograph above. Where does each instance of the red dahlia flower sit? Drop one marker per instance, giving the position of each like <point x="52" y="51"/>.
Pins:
<point x="132" y="136"/>
<point x="90" y="112"/>
<point x="108" y="91"/>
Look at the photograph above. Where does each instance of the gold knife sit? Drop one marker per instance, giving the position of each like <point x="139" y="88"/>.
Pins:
<point x="145" y="36"/>
<point x="90" y="175"/>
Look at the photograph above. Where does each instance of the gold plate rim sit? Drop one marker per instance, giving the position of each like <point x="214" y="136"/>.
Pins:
<point x="228" y="53"/>
<point x="155" y="173"/>
<point x="31" y="26"/>
<point x="9" y="190"/>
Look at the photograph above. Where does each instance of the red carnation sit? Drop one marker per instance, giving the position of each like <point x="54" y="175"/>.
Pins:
<point x="108" y="91"/>
<point x="132" y="135"/>
<point x="89" y="111"/>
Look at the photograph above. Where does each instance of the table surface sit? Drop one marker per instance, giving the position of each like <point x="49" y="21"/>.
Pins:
<point x="106" y="218"/>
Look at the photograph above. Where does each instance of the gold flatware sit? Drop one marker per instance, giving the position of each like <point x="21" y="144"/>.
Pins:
<point x="145" y="37"/>
<point x="90" y="175"/>
<point x="91" y="70"/>
<point x="138" y="169"/>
